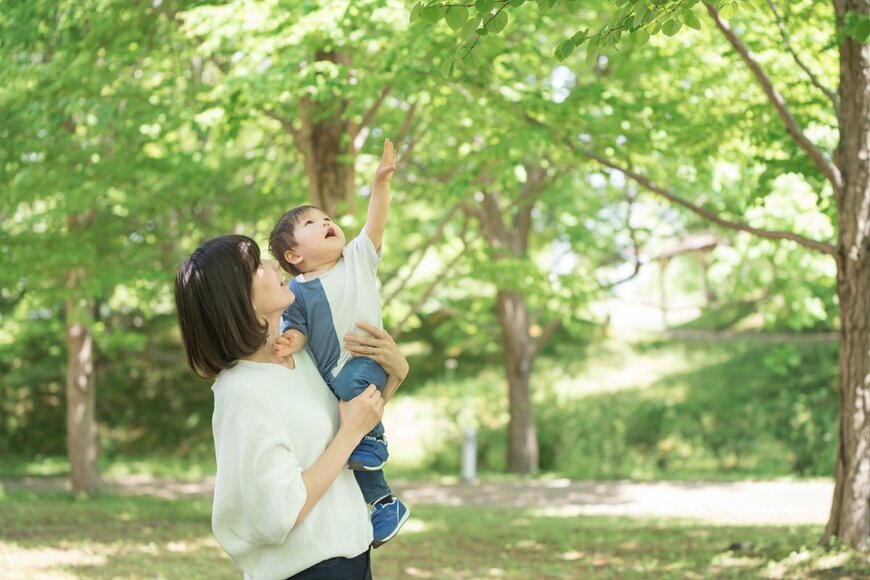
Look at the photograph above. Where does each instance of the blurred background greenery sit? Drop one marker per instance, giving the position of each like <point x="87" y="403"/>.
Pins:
<point x="134" y="132"/>
<point x="537" y="271"/>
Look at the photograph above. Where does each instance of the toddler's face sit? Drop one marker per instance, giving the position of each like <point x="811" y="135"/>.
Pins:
<point x="317" y="237"/>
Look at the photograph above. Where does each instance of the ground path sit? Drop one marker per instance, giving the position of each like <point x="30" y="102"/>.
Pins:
<point x="744" y="502"/>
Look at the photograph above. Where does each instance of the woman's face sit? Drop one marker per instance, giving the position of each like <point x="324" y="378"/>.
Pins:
<point x="270" y="291"/>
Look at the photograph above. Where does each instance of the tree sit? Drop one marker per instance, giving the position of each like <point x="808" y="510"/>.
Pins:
<point x="846" y="173"/>
<point x="98" y="166"/>
<point x="321" y="78"/>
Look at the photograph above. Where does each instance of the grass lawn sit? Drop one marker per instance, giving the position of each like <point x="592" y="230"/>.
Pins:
<point x="54" y="536"/>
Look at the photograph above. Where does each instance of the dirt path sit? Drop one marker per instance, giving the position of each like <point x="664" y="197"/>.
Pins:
<point x="747" y="502"/>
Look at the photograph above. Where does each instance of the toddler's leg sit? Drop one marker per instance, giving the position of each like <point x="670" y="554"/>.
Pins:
<point x="355" y="377"/>
<point x="389" y="513"/>
<point x="373" y="485"/>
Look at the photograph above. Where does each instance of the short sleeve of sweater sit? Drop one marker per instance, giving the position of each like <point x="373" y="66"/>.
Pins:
<point x="362" y="250"/>
<point x="258" y="463"/>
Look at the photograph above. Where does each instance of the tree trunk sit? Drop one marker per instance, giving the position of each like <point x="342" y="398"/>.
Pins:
<point x="513" y="317"/>
<point x="850" y="511"/>
<point x="81" y="424"/>
<point x="327" y="148"/>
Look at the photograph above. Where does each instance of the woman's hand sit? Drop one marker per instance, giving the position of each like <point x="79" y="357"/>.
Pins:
<point x="380" y="347"/>
<point x="362" y="413"/>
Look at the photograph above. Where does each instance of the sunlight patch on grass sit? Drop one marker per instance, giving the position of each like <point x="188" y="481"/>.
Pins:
<point x="816" y="561"/>
<point x="729" y="560"/>
<point x="415" y="526"/>
<point x="44" y="562"/>
<point x="618" y="365"/>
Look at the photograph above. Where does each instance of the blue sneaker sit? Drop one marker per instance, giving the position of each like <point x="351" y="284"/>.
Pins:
<point x="370" y="455"/>
<point x="389" y="515"/>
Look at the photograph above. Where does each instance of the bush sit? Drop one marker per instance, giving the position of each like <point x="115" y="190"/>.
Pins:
<point x="758" y="409"/>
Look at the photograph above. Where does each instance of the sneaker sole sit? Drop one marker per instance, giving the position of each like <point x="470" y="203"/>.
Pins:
<point x="358" y="466"/>
<point x="377" y="544"/>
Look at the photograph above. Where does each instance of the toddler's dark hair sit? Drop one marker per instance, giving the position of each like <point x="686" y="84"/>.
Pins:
<point x="282" y="237"/>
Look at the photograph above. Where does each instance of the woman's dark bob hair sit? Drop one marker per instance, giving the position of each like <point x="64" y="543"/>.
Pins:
<point x="214" y="304"/>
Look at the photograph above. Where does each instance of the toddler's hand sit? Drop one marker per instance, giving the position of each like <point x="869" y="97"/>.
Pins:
<point x="290" y="342"/>
<point x="282" y="347"/>
<point x="384" y="172"/>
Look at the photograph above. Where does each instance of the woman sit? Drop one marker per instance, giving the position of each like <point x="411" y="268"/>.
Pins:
<point x="285" y="503"/>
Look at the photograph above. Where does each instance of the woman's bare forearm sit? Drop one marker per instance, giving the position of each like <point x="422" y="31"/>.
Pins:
<point x="392" y="384"/>
<point x="322" y="474"/>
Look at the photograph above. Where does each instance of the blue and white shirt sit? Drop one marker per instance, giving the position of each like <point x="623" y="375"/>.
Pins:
<point x="328" y="307"/>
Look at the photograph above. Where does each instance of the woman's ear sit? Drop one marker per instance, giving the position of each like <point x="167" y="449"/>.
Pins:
<point x="292" y="257"/>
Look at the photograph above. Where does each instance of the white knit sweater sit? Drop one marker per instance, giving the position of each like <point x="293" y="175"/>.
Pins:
<point x="270" y="423"/>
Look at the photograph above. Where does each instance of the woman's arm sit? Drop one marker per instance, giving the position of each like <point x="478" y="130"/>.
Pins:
<point x="381" y="348"/>
<point x="262" y="492"/>
<point x="358" y="417"/>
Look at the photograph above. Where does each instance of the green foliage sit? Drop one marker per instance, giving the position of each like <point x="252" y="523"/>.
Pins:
<point x="133" y="132"/>
<point x="32" y="399"/>
<point x="857" y="26"/>
<point x="752" y="409"/>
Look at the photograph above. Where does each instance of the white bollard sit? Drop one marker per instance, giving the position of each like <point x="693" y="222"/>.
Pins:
<point x="469" y="455"/>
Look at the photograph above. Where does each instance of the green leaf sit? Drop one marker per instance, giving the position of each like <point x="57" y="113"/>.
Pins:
<point x="415" y="12"/>
<point x="857" y="26"/>
<point x="457" y="16"/>
<point x="641" y="37"/>
<point x="497" y="23"/>
<point x="484" y="6"/>
<point x="591" y="56"/>
<point x="447" y="68"/>
<point x="469" y="28"/>
<point x="689" y="19"/>
<point x="482" y="31"/>
<point x="641" y="15"/>
<point x="671" y="27"/>
<point x="727" y="11"/>
<point x="433" y="13"/>
<point x="517" y="3"/>
<point x="580" y="37"/>
<point x="471" y="60"/>
<point x="564" y="49"/>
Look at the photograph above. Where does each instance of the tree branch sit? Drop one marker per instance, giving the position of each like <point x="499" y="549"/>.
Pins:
<point x="548" y="332"/>
<point x="780" y="23"/>
<point x="828" y="169"/>
<point x="405" y="130"/>
<point x="492" y="224"/>
<point x="709" y="215"/>
<point x="631" y="196"/>
<point x="648" y="184"/>
<point x="422" y="251"/>
<point x="437" y="282"/>
<point x="360" y="132"/>
<point x="407" y="154"/>
<point x="537" y="181"/>
<point x="285" y="124"/>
